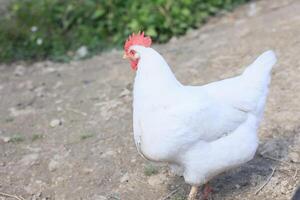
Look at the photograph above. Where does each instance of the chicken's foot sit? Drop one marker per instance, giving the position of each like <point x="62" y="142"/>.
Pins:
<point x="193" y="193"/>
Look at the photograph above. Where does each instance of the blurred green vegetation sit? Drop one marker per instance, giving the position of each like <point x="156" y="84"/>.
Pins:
<point x="55" y="29"/>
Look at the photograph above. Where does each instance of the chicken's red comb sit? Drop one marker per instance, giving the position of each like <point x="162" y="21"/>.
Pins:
<point x="137" y="39"/>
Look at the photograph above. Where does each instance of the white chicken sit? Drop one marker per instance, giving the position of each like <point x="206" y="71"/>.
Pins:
<point x="201" y="131"/>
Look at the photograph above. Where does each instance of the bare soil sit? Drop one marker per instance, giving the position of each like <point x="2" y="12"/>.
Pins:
<point x="66" y="129"/>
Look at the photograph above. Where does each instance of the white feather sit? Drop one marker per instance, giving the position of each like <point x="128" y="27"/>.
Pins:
<point x="200" y="130"/>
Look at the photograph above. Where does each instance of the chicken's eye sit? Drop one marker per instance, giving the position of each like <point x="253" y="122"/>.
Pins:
<point x="131" y="53"/>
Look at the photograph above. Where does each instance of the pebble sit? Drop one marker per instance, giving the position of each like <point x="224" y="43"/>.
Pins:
<point x="29" y="159"/>
<point x="53" y="165"/>
<point x="99" y="197"/>
<point x="55" y="122"/>
<point x="14" y="112"/>
<point x="108" y="154"/>
<point x="124" y="178"/>
<point x="36" y="196"/>
<point x="87" y="170"/>
<point x="252" y="10"/>
<point x="283" y="190"/>
<point x="28" y="85"/>
<point x="39" y="91"/>
<point x="34" y="149"/>
<point x="5" y="139"/>
<point x="57" y="85"/>
<point x="49" y="70"/>
<point x="81" y="52"/>
<point x="124" y="93"/>
<point x="284" y="183"/>
<point x="294" y="157"/>
<point x="20" y="70"/>
<point x="58" y="180"/>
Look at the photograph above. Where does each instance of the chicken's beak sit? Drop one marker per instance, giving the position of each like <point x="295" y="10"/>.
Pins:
<point x="125" y="56"/>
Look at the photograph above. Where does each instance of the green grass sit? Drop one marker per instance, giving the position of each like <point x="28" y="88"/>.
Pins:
<point x="179" y="197"/>
<point x="36" y="137"/>
<point x="9" y="119"/>
<point x="16" y="139"/>
<point x="55" y="29"/>
<point x="86" y="136"/>
<point x="150" y="170"/>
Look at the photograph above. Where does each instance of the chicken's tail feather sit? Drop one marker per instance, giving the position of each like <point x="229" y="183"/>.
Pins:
<point x="257" y="78"/>
<point x="262" y="65"/>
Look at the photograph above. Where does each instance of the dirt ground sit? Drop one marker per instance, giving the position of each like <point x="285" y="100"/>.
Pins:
<point x="66" y="129"/>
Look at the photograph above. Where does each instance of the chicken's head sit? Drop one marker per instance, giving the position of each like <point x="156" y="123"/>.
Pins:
<point x="135" y="39"/>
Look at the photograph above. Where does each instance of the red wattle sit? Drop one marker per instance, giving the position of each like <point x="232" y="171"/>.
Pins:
<point x="134" y="64"/>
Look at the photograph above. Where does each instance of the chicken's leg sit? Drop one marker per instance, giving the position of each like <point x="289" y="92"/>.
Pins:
<point x="193" y="193"/>
<point x="207" y="191"/>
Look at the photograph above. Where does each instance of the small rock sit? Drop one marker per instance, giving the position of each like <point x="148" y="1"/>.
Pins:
<point x="34" y="149"/>
<point x="5" y="139"/>
<point x="26" y="85"/>
<point x="49" y="70"/>
<point x="36" y="196"/>
<point x="108" y="154"/>
<point x="283" y="190"/>
<point x="237" y="186"/>
<point x="284" y="183"/>
<point x="124" y="93"/>
<point x="14" y="112"/>
<point x="274" y="195"/>
<point x="157" y="179"/>
<point x="53" y="165"/>
<point x="87" y="170"/>
<point x="55" y="122"/>
<point x="294" y="157"/>
<point x="40" y="91"/>
<point x="81" y="52"/>
<point x="59" y="101"/>
<point x="59" y="180"/>
<point x="252" y="10"/>
<point x="29" y="159"/>
<point x="124" y="178"/>
<point x="20" y="70"/>
<point x="99" y="197"/>
<point x="57" y="85"/>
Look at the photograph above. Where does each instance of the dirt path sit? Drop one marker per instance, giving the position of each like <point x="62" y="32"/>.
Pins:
<point x="66" y="129"/>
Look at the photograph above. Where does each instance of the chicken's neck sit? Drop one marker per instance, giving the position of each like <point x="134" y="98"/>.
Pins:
<point x="154" y="80"/>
